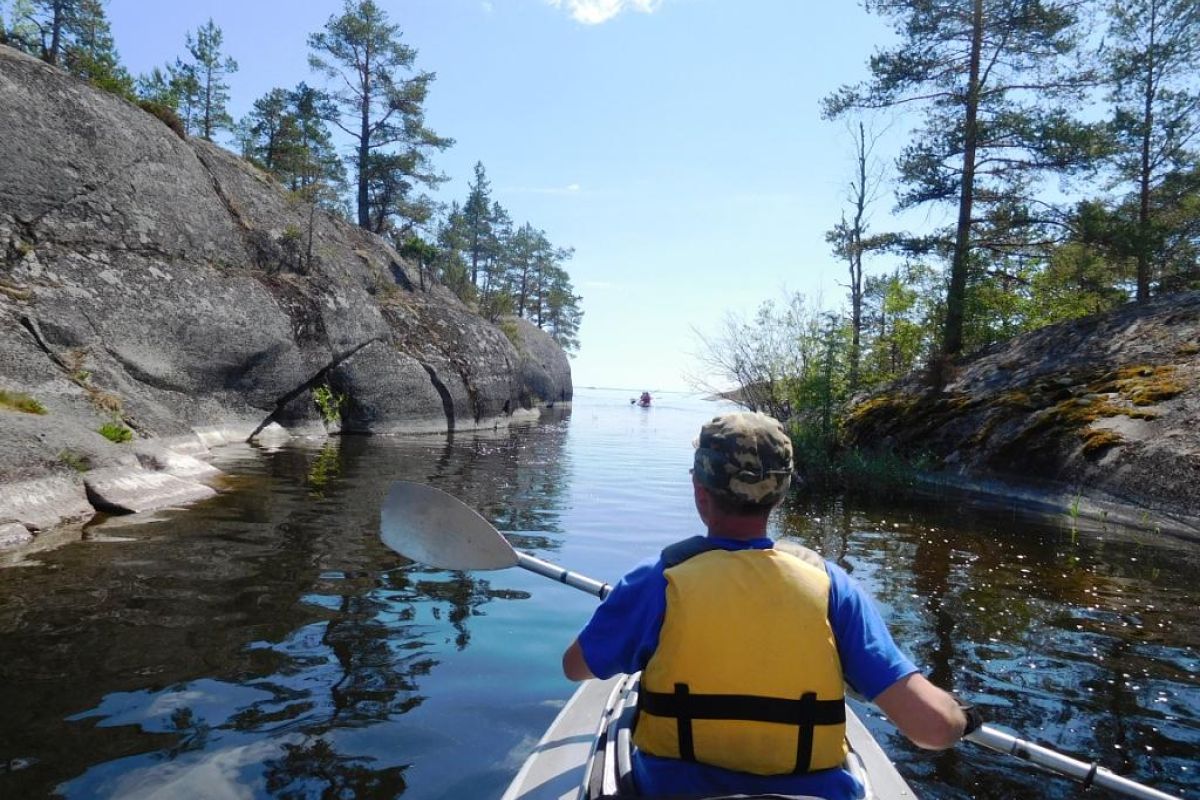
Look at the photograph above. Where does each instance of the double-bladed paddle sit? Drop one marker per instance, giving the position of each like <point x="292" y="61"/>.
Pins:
<point x="434" y="528"/>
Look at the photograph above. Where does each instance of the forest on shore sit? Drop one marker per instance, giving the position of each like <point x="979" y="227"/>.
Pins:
<point x="1060" y="142"/>
<point x="1057" y="140"/>
<point x="358" y="146"/>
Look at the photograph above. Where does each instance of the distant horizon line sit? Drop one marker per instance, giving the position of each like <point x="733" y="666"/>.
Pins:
<point x="651" y="390"/>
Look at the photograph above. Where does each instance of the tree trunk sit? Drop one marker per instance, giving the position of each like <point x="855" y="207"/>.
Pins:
<point x="208" y="119"/>
<point x="1143" y="235"/>
<point x="856" y="260"/>
<point x="957" y="293"/>
<point x="364" y="147"/>
<point x="57" y="23"/>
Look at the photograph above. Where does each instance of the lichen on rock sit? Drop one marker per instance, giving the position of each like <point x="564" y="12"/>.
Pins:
<point x="1107" y="405"/>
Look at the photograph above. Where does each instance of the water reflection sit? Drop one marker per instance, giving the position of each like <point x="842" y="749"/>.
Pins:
<point x="265" y="643"/>
<point x="1083" y="642"/>
<point x="248" y="645"/>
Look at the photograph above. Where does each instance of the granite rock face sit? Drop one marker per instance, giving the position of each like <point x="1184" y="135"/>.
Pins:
<point x="167" y="287"/>
<point x="1103" y="409"/>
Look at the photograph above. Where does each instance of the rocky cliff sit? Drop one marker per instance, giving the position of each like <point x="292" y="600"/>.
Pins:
<point x="166" y="291"/>
<point x="1099" y="417"/>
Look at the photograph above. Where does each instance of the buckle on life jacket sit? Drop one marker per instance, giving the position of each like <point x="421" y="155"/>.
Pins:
<point x="805" y="713"/>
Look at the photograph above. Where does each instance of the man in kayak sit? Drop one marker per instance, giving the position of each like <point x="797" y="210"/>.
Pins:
<point x="745" y="646"/>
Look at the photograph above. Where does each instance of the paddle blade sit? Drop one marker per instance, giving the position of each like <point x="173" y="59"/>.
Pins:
<point x="437" y="529"/>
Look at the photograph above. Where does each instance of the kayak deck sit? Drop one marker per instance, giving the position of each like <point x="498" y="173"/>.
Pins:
<point x="585" y="751"/>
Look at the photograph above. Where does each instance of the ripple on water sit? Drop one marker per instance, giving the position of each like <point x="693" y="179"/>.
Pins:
<point x="266" y="643"/>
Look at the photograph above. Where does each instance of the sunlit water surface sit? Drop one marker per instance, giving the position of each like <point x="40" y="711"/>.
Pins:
<point x="264" y="643"/>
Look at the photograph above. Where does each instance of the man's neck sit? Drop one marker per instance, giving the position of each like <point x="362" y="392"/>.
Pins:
<point x="741" y="528"/>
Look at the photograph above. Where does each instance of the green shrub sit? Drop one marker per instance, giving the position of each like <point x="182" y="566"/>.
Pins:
<point x="509" y="326"/>
<point x="827" y="465"/>
<point x="76" y="461"/>
<point x="115" y="432"/>
<point x="329" y="403"/>
<point x="166" y="115"/>
<point x="291" y="243"/>
<point x="20" y="402"/>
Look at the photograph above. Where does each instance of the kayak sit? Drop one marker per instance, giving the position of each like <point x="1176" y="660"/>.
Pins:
<point x="586" y="752"/>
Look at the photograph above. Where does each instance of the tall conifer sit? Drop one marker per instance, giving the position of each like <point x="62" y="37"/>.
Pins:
<point x="381" y="110"/>
<point x="995" y="84"/>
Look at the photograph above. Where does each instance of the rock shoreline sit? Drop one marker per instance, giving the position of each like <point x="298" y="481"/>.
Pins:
<point x="1098" y="418"/>
<point x="154" y="304"/>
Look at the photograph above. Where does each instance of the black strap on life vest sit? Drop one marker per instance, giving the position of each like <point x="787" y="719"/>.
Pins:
<point x="675" y="554"/>
<point x="805" y="713"/>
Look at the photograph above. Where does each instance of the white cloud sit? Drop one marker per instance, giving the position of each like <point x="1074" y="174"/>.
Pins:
<point x="488" y="8"/>
<point x="594" y="12"/>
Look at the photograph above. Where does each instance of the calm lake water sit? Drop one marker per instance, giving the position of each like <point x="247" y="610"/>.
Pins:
<point x="265" y="644"/>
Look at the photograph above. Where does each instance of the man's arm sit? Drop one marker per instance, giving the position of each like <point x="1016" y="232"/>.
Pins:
<point x="928" y="716"/>
<point x="573" y="665"/>
<point x="873" y="665"/>
<point x="623" y="630"/>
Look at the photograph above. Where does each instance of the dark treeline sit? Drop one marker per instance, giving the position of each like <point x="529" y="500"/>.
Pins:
<point x="373" y="99"/>
<point x="1063" y="139"/>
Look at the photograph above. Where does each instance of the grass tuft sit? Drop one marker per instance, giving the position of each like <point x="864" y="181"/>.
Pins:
<point x="115" y="432"/>
<point x="17" y="401"/>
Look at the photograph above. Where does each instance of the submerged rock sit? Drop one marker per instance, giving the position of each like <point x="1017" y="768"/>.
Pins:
<point x="1103" y="411"/>
<point x="152" y="288"/>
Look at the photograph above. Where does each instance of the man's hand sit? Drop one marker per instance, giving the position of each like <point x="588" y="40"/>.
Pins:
<point x="929" y="717"/>
<point x="574" y="667"/>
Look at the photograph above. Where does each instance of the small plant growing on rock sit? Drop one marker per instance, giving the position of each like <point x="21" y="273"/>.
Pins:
<point x="329" y="403"/>
<point x="21" y="402"/>
<point x="166" y="115"/>
<point x="15" y="292"/>
<point x="1098" y="440"/>
<point x="291" y="242"/>
<point x="76" y="461"/>
<point x="508" y="326"/>
<point x="115" y="432"/>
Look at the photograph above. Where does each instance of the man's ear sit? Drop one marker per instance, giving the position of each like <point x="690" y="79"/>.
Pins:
<point x="703" y="501"/>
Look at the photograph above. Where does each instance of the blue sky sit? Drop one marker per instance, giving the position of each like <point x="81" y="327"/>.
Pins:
<point x="675" y="144"/>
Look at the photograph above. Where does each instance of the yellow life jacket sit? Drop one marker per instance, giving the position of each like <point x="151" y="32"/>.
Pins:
<point x="746" y="675"/>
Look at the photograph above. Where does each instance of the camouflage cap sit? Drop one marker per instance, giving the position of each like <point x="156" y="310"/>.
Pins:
<point x="744" y="456"/>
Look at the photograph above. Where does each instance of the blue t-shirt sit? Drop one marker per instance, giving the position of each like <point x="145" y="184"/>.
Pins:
<point x="623" y="634"/>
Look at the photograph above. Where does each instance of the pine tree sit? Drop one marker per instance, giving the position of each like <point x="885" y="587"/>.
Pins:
<point x="477" y="214"/>
<point x="525" y="247"/>
<point x="1153" y="57"/>
<point x="51" y="19"/>
<point x="380" y="109"/>
<point x="266" y="131"/>
<point x="993" y="79"/>
<point x="23" y="32"/>
<point x="202" y="81"/>
<point x="91" y="53"/>
<point x="453" y="269"/>
<point x="562" y="312"/>
<point x="851" y="242"/>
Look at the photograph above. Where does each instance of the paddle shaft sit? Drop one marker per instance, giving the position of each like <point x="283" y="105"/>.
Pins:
<point x="1087" y="774"/>
<point x="986" y="736"/>
<point x="557" y="573"/>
